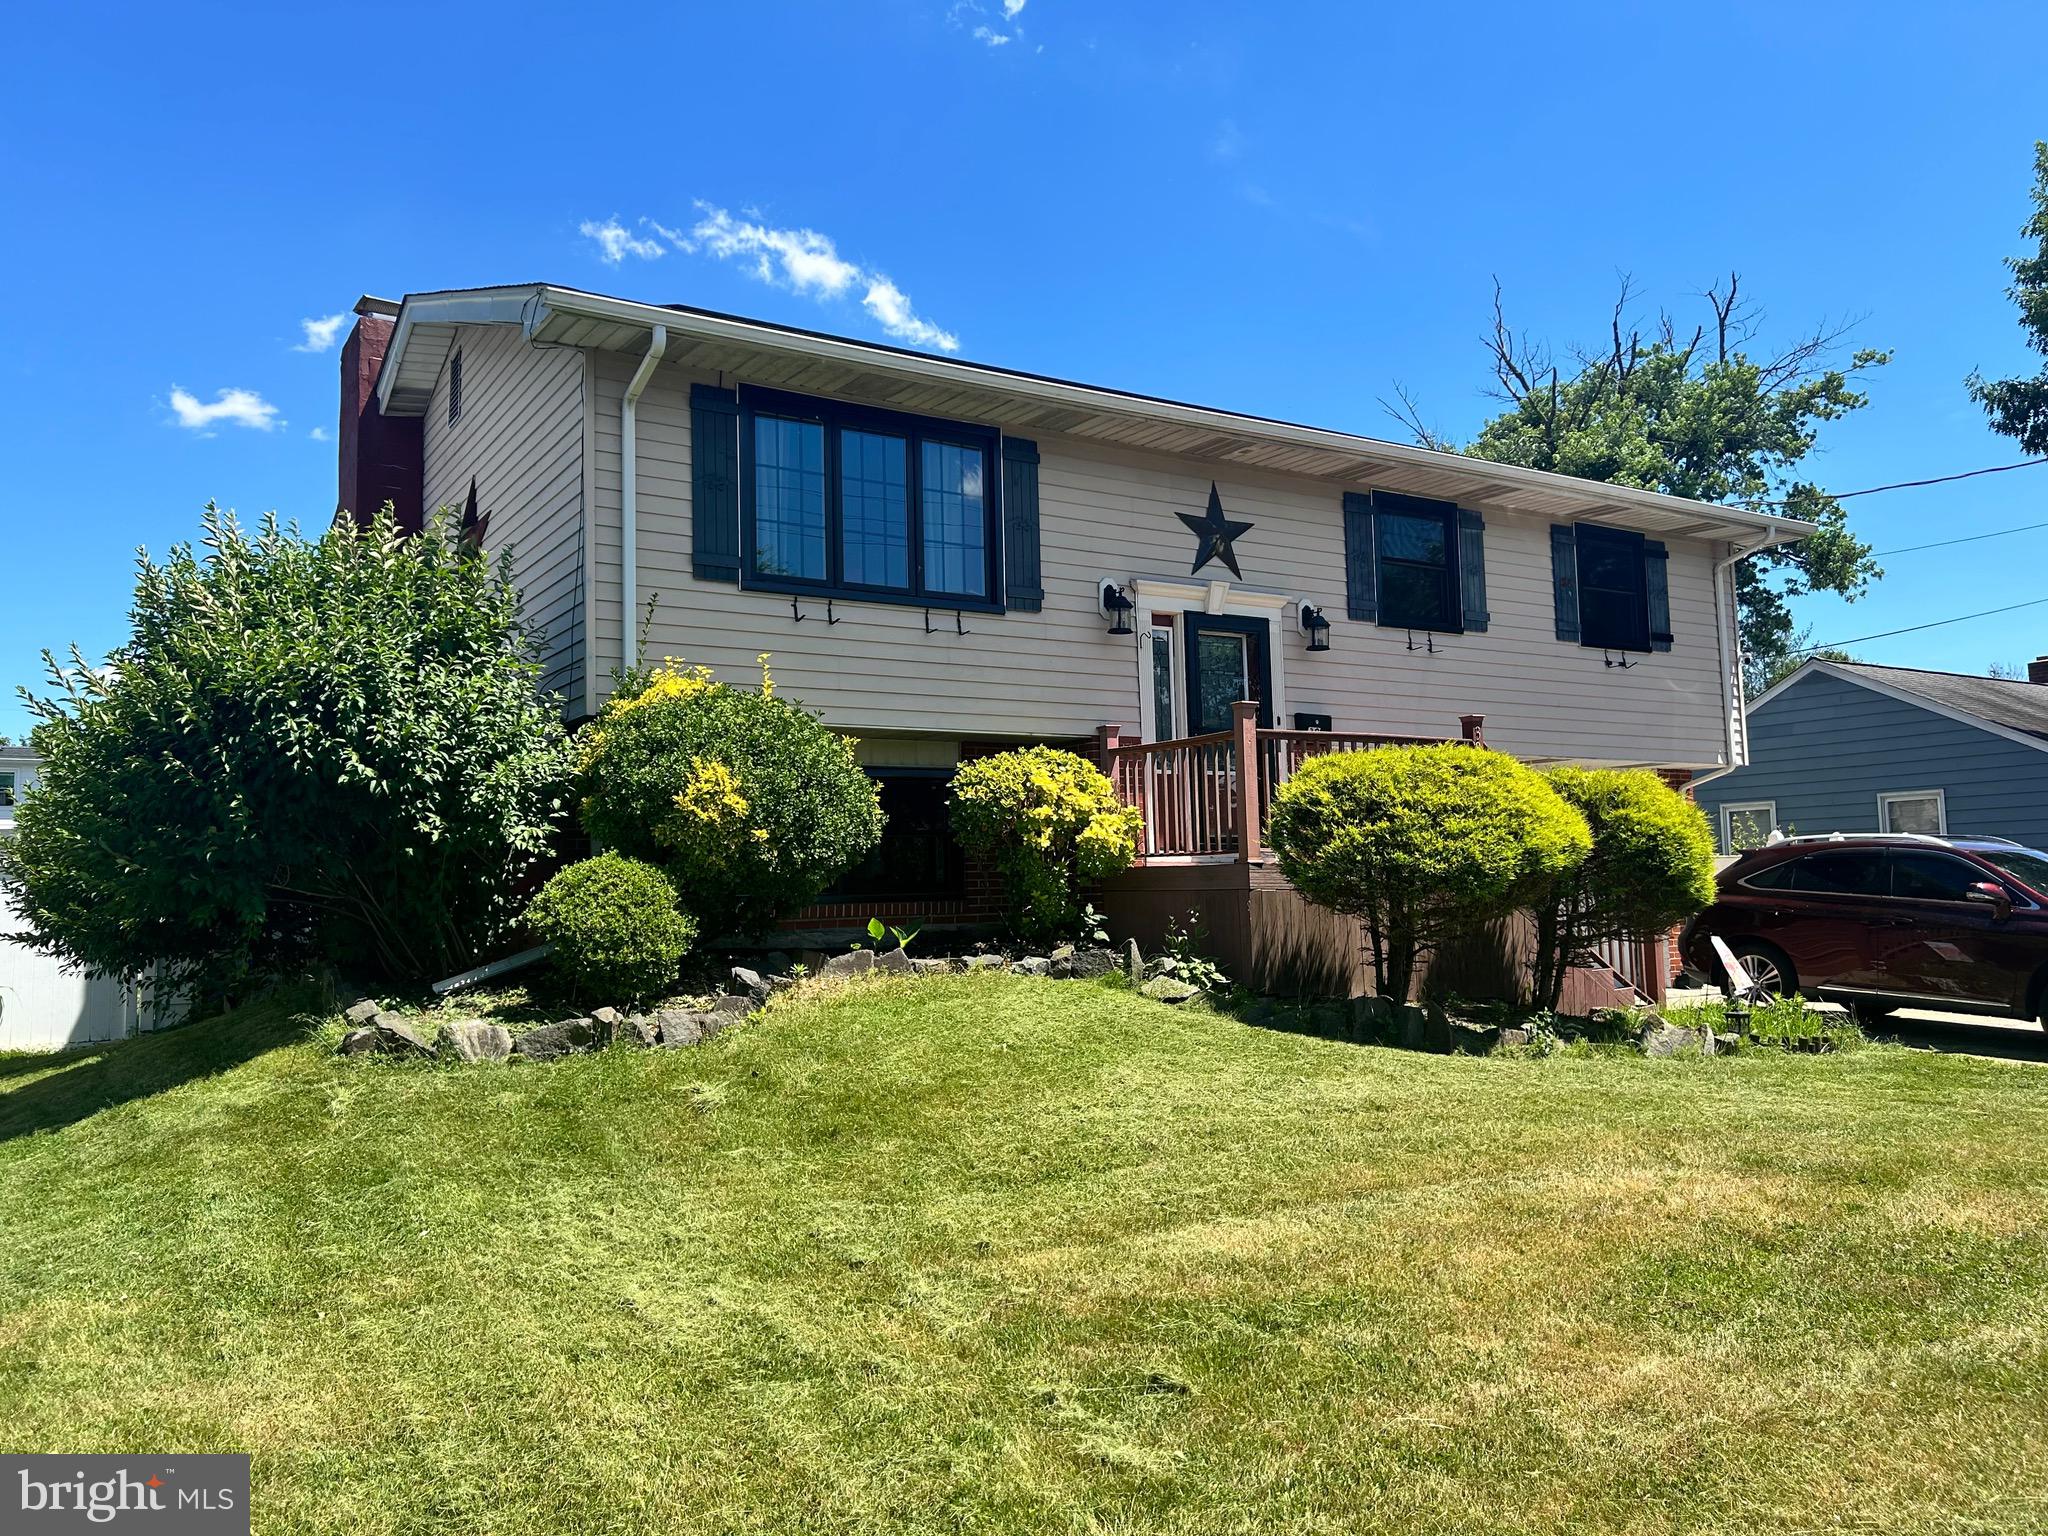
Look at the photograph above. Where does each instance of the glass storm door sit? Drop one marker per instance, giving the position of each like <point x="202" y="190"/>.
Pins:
<point x="1226" y="662"/>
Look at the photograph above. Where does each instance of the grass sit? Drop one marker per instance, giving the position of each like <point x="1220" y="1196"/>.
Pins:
<point x="988" y="1254"/>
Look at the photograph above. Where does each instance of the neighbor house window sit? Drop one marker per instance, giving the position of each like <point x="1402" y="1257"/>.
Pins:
<point x="1614" y="603"/>
<point x="455" y="387"/>
<point x="1748" y="826"/>
<point x="1913" y="810"/>
<point x="846" y="501"/>
<point x="6" y="789"/>
<point x="1417" y="550"/>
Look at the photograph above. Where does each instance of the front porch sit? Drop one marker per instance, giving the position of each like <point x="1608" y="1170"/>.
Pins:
<point x="1206" y="802"/>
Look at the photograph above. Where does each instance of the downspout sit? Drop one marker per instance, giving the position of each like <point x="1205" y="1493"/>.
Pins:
<point x="1732" y="702"/>
<point x="629" y="498"/>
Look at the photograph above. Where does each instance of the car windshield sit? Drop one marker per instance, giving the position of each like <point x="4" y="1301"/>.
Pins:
<point x="2025" y="866"/>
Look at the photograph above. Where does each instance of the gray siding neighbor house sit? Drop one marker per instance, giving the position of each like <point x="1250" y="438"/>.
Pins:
<point x="1851" y="747"/>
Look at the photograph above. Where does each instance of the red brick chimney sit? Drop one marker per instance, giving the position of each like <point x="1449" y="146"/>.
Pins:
<point x="2037" y="670"/>
<point x="383" y="458"/>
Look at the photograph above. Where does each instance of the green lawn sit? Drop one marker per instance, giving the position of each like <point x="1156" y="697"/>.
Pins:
<point x="990" y="1254"/>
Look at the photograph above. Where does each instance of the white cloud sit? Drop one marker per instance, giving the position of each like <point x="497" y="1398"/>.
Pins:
<point x="806" y="262"/>
<point x="237" y="407"/>
<point x="319" y="435"/>
<point x="982" y="32"/>
<point x="990" y="36"/>
<point x="1012" y="7"/>
<point x="616" y="242"/>
<point x="320" y="334"/>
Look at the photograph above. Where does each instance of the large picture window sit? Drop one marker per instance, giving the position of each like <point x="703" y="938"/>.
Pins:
<point x="846" y="501"/>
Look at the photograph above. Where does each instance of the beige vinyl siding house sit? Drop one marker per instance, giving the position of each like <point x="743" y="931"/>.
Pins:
<point x="540" y="430"/>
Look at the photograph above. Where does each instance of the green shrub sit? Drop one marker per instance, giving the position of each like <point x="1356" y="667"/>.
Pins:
<point x="1652" y="865"/>
<point x="617" y="932"/>
<point x="1048" y="821"/>
<point x="749" y="803"/>
<point x="335" y="745"/>
<point x="1420" y="843"/>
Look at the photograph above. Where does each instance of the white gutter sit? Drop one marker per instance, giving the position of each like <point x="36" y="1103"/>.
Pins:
<point x="629" y="500"/>
<point x="1733" y="706"/>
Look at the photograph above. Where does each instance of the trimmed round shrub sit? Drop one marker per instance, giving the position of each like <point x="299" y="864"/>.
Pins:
<point x="617" y="931"/>
<point x="749" y="803"/>
<point x="1421" y="842"/>
<point x="1652" y="866"/>
<point x="1048" y="820"/>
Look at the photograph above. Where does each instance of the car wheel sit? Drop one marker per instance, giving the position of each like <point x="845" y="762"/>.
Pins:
<point x="1769" y="969"/>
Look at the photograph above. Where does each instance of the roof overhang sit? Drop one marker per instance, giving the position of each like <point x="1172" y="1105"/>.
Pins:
<point x="1025" y="403"/>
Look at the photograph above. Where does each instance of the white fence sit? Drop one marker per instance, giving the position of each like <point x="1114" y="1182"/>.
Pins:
<point x="45" y="1007"/>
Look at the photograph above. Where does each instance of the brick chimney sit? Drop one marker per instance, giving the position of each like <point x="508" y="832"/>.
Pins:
<point x="383" y="458"/>
<point x="2037" y="670"/>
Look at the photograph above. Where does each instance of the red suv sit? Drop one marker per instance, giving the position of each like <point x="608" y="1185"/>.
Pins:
<point x="1883" y="923"/>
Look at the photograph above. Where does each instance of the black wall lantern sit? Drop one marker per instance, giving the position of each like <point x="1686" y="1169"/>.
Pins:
<point x="1118" y="607"/>
<point x="1316" y="627"/>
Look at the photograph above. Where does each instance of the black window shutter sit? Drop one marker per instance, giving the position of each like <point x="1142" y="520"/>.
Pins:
<point x="1022" y="588"/>
<point x="1564" y="576"/>
<point x="1472" y="569"/>
<point x="714" y="484"/>
<point x="1361" y="586"/>
<point x="1657" y="582"/>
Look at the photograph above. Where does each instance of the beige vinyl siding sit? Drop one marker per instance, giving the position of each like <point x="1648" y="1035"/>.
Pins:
<point x="1110" y="511"/>
<point x="521" y="437"/>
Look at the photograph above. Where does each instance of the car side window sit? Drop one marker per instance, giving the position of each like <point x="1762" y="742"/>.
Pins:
<point x="1933" y="877"/>
<point x="1841" y="874"/>
<point x="1776" y="878"/>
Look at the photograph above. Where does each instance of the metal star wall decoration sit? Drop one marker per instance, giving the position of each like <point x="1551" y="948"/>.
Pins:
<point x="1216" y="534"/>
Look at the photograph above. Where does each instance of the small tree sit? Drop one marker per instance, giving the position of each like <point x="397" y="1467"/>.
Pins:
<point x="616" y="931"/>
<point x="1420" y="842"/>
<point x="2018" y="407"/>
<point x="336" y="745"/>
<point x="748" y="801"/>
<point x="1049" y="821"/>
<point x="1652" y="865"/>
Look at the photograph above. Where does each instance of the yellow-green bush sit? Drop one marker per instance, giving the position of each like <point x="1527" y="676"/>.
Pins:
<point x="1419" y="842"/>
<point x="617" y="932"/>
<point x="1048" y="820"/>
<point x="748" y="801"/>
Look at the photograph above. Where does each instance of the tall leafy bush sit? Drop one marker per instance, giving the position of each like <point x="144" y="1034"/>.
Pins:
<point x="1420" y="842"/>
<point x="749" y="802"/>
<point x="1652" y="864"/>
<point x="1048" y="820"/>
<point x="336" y="745"/>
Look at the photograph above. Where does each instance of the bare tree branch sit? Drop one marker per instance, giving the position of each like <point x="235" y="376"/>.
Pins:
<point x="1409" y="414"/>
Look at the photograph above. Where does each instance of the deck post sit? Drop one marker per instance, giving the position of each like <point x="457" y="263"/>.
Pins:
<point x="1244" y="746"/>
<point x="1107" y="739"/>
<point x="1474" y="727"/>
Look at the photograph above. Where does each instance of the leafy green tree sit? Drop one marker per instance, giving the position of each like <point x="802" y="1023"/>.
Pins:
<point x="2019" y="407"/>
<point x="333" y="746"/>
<point x="748" y="801"/>
<point x="1421" y="843"/>
<point x="1652" y="865"/>
<point x="1702" y="415"/>
<point x="1765" y="675"/>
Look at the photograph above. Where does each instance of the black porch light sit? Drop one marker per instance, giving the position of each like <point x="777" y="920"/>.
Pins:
<point x="1118" y="607"/>
<point x="1316" y="627"/>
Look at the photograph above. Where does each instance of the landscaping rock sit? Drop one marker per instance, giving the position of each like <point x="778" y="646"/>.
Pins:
<point x="552" y="1040"/>
<point x="748" y="983"/>
<point x="1727" y="1044"/>
<point x="608" y="1021"/>
<point x="1469" y="1039"/>
<point x="716" y="1022"/>
<point x="774" y="963"/>
<point x="1134" y="960"/>
<point x="639" y="1032"/>
<point x="677" y="1026"/>
<point x="1330" y="1020"/>
<point x="360" y="1012"/>
<point x="1169" y="989"/>
<point x="1512" y="1037"/>
<point x="1664" y="1040"/>
<point x="986" y="963"/>
<point x="1061" y="961"/>
<point x="358" y="1042"/>
<point x="1371" y="1016"/>
<point x="1411" y="1021"/>
<point x="1033" y="965"/>
<point x="732" y="1008"/>
<point x="930" y="967"/>
<point x="855" y="963"/>
<point x="895" y="962"/>
<point x="396" y="1036"/>
<point x="473" y="1040"/>
<point x="1089" y="963"/>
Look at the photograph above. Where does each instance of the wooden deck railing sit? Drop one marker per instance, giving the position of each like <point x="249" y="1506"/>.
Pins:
<point x="1209" y="796"/>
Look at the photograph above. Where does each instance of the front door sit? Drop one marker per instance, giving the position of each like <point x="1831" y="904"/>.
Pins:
<point x="1227" y="661"/>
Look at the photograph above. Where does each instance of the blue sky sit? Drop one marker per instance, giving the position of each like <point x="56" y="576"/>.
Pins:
<point x="1286" y="215"/>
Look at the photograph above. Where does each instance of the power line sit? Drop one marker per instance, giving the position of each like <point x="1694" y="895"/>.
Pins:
<point x="1996" y="533"/>
<point x="1913" y="629"/>
<point x="1908" y="485"/>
